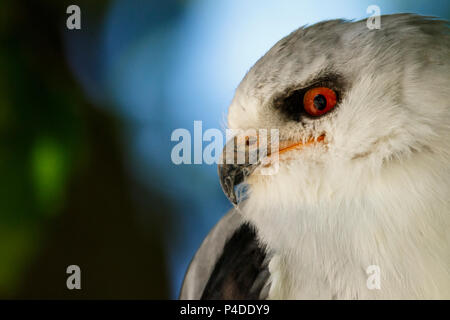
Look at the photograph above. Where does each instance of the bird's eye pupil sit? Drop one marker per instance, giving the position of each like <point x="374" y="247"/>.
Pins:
<point x="320" y="102"/>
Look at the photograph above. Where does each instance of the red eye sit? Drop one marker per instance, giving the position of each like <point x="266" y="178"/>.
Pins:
<point x="318" y="101"/>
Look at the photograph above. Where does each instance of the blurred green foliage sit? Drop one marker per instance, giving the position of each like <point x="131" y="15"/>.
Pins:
<point x="64" y="194"/>
<point x="40" y="140"/>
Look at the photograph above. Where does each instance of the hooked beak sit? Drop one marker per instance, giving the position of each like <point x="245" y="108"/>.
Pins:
<point x="232" y="172"/>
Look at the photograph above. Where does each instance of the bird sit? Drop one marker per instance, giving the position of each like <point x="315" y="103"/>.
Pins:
<point x="362" y="177"/>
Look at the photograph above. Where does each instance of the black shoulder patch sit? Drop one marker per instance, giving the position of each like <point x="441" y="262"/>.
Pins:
<point x="241" y="271"/>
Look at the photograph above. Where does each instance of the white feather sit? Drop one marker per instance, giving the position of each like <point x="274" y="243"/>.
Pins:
<point x="378" y="191"/>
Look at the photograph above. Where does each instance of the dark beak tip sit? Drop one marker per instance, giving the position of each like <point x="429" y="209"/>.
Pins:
<point x="232" y="175"/>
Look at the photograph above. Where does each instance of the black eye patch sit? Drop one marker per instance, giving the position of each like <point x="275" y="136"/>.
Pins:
<point x="290" y="102"/>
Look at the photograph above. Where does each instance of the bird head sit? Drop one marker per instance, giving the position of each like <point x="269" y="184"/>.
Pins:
<point x="349" y="105"/>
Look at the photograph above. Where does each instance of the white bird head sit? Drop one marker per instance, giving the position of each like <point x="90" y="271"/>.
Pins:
<point x="364" y="159"/>
<point x="392" y="105"/>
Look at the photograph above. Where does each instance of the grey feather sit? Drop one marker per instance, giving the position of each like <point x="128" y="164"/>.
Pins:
<point x="209" y="252"/>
